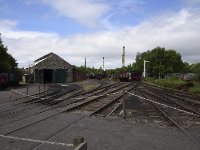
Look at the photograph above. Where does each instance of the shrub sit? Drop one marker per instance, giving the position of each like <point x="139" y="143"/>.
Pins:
<point x="195" y="89"/>
<point x="172" y="83"/>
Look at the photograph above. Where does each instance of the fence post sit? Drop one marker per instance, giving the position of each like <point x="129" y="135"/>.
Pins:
<point x="39" y="88"/>
<point x="27" y="91"/>
<point x="124" y="105"/>
<point x="10" y="95"/>
<point x="44" y="89"/>
<point x="77" y="141"/>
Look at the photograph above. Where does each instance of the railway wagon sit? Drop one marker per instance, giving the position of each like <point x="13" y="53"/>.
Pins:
<point x="7" y="79"/>
<point x="124" y="76"/>
<point x="129" y="76"/>
<point x="97" y="75"/>
<point x="136" y="76"/>
<point x="4" y="79"/>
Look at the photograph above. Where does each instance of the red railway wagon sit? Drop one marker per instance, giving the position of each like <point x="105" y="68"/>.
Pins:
<point x="7" y="79"/>
<point x="4" y="79"/>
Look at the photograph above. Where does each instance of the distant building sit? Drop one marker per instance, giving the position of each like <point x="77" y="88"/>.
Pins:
<point x="181" y="76"/>
<point x="51" y="69"/>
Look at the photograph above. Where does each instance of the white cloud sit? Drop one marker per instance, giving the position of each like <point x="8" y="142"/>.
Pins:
<point x="7" y="24"/>
<point x="192" y="1"/>
<point x="178" y="31"/>
<point x="87" y="12"/>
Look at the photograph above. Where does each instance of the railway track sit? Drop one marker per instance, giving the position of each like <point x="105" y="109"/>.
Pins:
<point x="182" y="119"/>
<point x="33" y="102"/>
<point x="18" y="124"/>
<point x="57" y="109"/>
<point x="94" y="111"/>
<point x="102" y="105"/>
<point x="103" y="101"/>
<point x="178" y="94"/>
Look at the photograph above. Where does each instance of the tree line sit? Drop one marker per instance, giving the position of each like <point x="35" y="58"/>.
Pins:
<point x="161" y="62"/>
<point x="7" y="61"/>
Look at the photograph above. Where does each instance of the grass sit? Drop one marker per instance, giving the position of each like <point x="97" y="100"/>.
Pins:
<point x="177" y="84"/>
<point x="88" y="85"/>
<point x="172" y="83"/>
<point x="195" y="89"/>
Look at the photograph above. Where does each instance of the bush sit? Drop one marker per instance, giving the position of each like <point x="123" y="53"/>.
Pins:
<point x="172" y="83"/>
<point x="195" y="89"/>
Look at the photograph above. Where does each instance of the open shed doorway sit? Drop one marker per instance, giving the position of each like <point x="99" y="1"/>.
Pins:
<point x="48" y="75"/>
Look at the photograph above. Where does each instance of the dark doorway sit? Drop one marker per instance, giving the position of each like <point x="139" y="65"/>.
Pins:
<point x="48" y="75"/>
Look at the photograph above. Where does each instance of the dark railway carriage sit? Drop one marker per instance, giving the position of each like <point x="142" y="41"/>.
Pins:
<point x="7" y="79"/>
<point x="129" y="76"/>
<point x="124" y="76"/>
<point x="4" y="79"/>
<point x="136" y="76"/>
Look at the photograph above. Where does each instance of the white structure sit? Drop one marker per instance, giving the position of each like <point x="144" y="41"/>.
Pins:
<point x="144" y="73"/>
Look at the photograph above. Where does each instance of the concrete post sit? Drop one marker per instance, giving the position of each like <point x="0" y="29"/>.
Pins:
<point x="10" y="95"/>
<point x="77" y="141"/>
<point x="82" y="146"/>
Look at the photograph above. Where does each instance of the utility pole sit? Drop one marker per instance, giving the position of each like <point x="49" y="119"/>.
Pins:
<point x="123" y="57"/>
<point x="144" y="73"/>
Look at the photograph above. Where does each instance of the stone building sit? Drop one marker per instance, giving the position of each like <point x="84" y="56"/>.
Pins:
<point x="51" y="69"/>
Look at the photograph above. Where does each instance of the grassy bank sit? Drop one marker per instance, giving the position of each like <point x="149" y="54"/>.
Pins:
<point x="177" y="84"/>
<point x="174" y="84"/>
<point x="195" y="89"/>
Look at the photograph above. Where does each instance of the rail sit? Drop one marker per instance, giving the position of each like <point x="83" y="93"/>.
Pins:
<point x="157" y="104"/>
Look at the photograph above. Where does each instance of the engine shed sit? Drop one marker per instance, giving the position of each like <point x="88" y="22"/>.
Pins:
<point x="52" y="69"/>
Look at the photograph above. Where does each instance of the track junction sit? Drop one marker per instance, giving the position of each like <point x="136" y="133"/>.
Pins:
<point x="41" y="117"/>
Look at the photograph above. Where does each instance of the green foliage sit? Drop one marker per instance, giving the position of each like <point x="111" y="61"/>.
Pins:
<point x="186" y="67"/>
<point x="195" y="89"/>
<point x="161" y="62"/>
<point x="195" y="68"/>
<point x="7" y="62"/>
<point x="172" y="83"/>
<point x="112" y="71"/>
<point x="89" y="70"/>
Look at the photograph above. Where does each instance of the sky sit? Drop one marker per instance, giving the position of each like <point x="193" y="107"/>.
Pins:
<point x="75" y="29"/>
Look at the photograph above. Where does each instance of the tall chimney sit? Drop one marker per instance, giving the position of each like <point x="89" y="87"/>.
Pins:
<point x="123" y="57"/>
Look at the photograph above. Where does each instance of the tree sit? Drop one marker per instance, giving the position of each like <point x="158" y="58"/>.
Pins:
<point x="7" y="62"/>
<point x="161" y="62"/>
<point x="186" y="67"/>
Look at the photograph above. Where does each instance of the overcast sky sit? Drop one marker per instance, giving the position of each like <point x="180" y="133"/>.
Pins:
<point x="75" y="29"/>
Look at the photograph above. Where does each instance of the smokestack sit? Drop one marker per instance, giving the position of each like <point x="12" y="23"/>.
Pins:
<point x="123" y="57"/>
